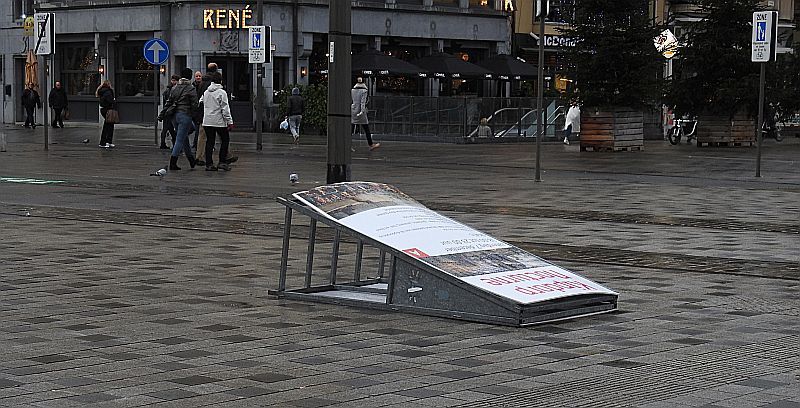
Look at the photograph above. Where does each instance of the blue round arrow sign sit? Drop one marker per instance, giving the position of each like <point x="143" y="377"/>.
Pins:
<point x="156" y="51"/>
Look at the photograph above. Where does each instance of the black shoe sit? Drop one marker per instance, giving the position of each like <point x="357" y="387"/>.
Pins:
<point x="54" y="126"/>
<point x="192" y="161"/>
<point x="224" y="166"/>
<point x="230" y="160"/>
<point x="211" y="168"/>
<point x="163" y="146"/>
<point x="201" y="162"/>
<point x="173" y="163"/>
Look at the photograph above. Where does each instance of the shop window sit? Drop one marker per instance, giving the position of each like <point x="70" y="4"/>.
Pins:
<point x="79" y="74"/>
<point x="486" y="4"/>
<point x="22" y="7"/>
<point x="134" y="75"/>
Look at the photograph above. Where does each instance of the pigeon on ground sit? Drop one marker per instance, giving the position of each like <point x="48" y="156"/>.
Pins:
<point x="160" y="172"/>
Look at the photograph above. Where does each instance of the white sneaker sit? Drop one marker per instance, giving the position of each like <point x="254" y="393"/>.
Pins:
<point x="109" y="145"/>
<point x="566" y="141"/>
<point x="102" y="145"/>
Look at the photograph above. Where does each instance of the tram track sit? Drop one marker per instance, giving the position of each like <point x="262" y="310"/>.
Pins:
<point x="549" y="251"/>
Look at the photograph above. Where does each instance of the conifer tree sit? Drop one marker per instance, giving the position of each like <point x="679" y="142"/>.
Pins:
<point x="713" y="72"/>
<point x="614" y="62"/>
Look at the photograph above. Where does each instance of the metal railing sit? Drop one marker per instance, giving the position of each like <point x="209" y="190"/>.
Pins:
<point x="448" y="118"/>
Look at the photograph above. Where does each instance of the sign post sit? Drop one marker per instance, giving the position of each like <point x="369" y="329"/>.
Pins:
<point x="45" y="38"/>
<point x="259" y="40"/>
<point x="156" y="52"/>
<point x="765" y="32"/>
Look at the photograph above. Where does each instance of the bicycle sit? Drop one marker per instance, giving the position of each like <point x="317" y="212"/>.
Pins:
<point x="772" y="130"/>
<point x="678" y="131"/>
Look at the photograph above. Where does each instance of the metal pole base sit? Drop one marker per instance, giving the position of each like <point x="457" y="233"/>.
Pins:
<point x="338" y="173"/>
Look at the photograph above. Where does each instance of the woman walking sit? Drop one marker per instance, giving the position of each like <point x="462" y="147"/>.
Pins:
<point x="358" y="111"/>
<point x="181" y="103"/>
<point x="105" y="93"/>
<point x="217" y="120"/>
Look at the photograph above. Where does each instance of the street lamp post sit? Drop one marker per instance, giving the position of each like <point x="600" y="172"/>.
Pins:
<point x="540" y="91"/>
<point x="339" y="64"/>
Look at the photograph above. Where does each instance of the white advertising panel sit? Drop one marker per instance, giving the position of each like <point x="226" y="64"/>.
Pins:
<point x="387" y="215"/>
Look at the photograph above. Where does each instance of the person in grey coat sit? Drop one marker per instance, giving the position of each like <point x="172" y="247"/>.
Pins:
<point x="358" y="111"/>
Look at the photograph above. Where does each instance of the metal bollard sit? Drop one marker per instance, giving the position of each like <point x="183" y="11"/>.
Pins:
<point x="2" y="142"/>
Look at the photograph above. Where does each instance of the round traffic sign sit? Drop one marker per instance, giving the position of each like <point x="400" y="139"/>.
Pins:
<point x="156" y="51"/>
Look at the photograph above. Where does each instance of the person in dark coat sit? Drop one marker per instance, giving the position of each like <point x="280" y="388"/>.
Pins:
<point x="169" y="121"/>
<point x="294" y="112"/>
<point x="183" y="102"/>
<point x="358" y="111"/>
<point x="58" y="101"/>
<point x="107" y="99"/>
<point x="30" y="101"/>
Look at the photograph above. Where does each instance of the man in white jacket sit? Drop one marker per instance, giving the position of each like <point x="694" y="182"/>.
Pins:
<point x="573" y="121"/>
<point x="217" y="119"/>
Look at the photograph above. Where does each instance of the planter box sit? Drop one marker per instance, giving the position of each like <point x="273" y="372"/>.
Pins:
<point x="612" y="129"/>
<point x="722" y="131"/>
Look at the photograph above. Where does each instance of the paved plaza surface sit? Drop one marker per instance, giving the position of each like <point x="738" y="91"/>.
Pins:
<point x="120" y="289"/>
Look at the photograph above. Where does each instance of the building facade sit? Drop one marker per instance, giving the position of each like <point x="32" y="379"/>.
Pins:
<point x="104" y="39"/>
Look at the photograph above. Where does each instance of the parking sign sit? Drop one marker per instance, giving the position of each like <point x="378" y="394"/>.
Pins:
<point x="765" y="32"/>
<point x="259" y="44"/>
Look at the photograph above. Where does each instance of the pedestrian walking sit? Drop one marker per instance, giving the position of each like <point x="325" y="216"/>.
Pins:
<point x="294" y="111"/>
<point x="169" y="121"/>
<point x="201" y="84"/>
<point x="573" y="121"/>
<point x="217" y="120"/>
<point x="182" y="103"/>
<point x="358" y="111"/>
<point x="107" y="101"/>
<point x="30" y="101"/>
<point x="197" y="117"/>
<point x="58" y="102"/>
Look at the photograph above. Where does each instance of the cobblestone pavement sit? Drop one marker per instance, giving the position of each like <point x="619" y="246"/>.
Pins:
<point x="118" y="289"/>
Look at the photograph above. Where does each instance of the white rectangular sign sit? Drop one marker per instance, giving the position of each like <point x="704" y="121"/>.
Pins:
<point x="386" y="214"/>
<point x="44" y="33"/>
<point x="764" y="33"/>
<point x="257" y="56"/>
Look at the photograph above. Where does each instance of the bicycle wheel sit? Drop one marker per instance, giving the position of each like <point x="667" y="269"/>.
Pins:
<point x="778" y="134"/>
<point x="674" y="135"/>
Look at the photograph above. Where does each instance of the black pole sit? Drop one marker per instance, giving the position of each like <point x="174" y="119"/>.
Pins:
<point x="339" y="64"/>
<point x="759" y="133"/>
<point x="260" y="83"/>
<point x="540" y="94"/>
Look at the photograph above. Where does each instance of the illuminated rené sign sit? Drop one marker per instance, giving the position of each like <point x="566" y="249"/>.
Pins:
<point x="227" y="18"/>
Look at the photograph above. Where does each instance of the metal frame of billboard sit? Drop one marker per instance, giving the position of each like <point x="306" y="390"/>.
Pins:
<point x="413" y="286"/>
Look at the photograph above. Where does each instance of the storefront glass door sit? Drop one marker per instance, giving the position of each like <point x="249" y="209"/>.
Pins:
<point x="236" y="78"/>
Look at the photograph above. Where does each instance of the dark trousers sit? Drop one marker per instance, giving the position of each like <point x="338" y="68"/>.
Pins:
<point x="29" y="120"/>
<point x="365" y="127"/>
<point x="224" y="141"/>
<point x="57" y="120"/>
<point x="169" y="127"/>
<point x="196" y="132"/>
<point x="107" y="135"/>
